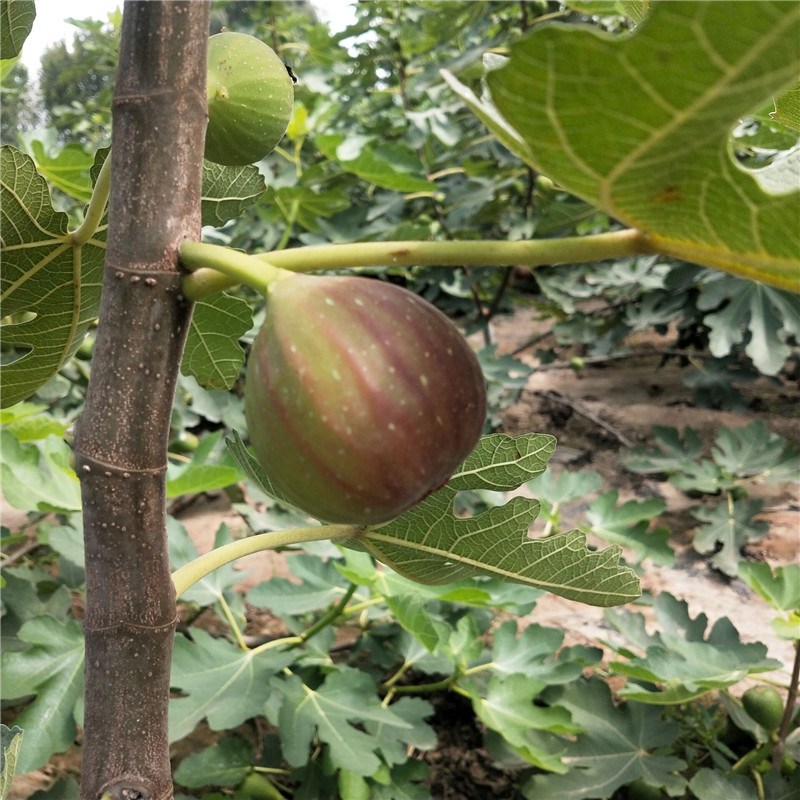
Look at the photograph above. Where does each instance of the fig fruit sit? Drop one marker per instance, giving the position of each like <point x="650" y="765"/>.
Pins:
<point x="764" y="705"/>
<point x="361" y="398"/>
<point x="250" y="97"/>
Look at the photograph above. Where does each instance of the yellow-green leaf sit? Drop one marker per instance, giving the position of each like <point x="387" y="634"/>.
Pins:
<point x="639" y="125"/>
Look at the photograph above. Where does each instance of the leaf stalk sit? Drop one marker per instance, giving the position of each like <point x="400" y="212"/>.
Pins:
<point x="197" y="569"/>
<point x="222" y="271"/>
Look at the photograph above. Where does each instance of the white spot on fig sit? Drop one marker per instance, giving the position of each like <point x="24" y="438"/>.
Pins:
<point x="329" y="302"/>
<point x="423" y="379"/>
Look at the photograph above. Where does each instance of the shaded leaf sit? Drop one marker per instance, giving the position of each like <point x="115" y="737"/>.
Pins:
<point x="16" y="21"/>
<point x="532" y="653"/>
<point x="728" y="527"/>
<point x="628" y="524"/>
<point x="213" y="355"/>
<point x="680" y="656"/>
<point x="225" y="684"/>
<point x="672" y="452"/>
<point x="321" y="585"/>
<point x="508" y="707"/>
<point x="755" y="450"/>
<point x="228" y="191"/>
<point x="50" y="290"/>
<point x="224" y="764"/>
<point x="712" y="784"/>
<point x="52" y="670"/>
<point x="331" y="712"/>
<point x="617" y="747"/>
<point x="771" y="315"/>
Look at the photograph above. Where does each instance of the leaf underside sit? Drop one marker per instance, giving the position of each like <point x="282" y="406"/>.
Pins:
<point x="639" y="126"/>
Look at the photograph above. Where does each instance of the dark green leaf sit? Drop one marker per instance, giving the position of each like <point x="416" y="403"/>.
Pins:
<point x="225" y="684"/>
<point x="49" y="289"/>
<point x="223" y="764"/>
<point x="331" y="712"/>
<point x="628" y="524"/>
<point x="213" y="354"/>
<point x="618" y="746"/>
<point x="755" y="450"/>
<point x="680" y="657"/>
<point x="52" y="670"/>
<point x="728" y="527"/>
<point x="16" y="21"/>
<point x="321" y="585"/>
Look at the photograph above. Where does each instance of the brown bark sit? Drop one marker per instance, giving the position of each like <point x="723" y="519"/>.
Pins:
<point x="159" y="116"/>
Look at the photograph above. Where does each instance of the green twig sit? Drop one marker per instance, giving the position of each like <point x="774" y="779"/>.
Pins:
<point x="96" y="208"/>
<point x="236" y="266"/>
<point x="527" y="253"/>
<point x="328" y="618"/>
<point x="196" y="570"/>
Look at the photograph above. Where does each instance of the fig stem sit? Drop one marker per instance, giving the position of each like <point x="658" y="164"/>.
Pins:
<point x="197" y="569"/>
<point x="235" y="265"/>
<point x="524" y="253"/>
<point x="96" y="208"/>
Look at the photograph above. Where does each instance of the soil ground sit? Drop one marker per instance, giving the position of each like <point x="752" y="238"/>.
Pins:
<point x="593" y="412"/>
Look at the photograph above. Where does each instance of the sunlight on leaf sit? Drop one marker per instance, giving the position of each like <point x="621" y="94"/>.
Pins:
<point x="639" y="125"/>
<point x="431" y="545"/>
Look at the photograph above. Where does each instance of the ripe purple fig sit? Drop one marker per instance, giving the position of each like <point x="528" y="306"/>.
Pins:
<point x="361" y="398"/>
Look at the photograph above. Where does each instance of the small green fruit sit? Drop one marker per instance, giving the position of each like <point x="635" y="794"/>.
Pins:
<point x="250" y="96"/>
<point x="361" y="398"/>
<point x="764" y="705"/>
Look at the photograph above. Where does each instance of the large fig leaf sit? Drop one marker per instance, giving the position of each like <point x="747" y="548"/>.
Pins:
<point x="16" y="21"/>
<point x="429" y="544"/>
<point x="49" y="289"/>
<point x="639" y="126"/>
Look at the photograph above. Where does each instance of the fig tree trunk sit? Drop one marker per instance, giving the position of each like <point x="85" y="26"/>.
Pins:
<point x="159" y="117"/>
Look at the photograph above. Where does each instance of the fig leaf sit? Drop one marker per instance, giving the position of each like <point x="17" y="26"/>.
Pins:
<point x="639" y="125"/>
<point x="430" y="545"/>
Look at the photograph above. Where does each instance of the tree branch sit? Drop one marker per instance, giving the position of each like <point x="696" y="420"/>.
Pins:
<point x="159" y="117"/>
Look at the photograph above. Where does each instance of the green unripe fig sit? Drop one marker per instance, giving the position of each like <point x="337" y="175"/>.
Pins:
<point x="764" y="705"/>
<point x="361" y="398"/>
<point x="250" y="96"/>
<point x="184" y="442"/>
